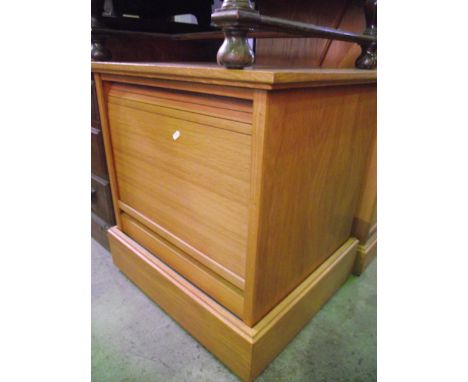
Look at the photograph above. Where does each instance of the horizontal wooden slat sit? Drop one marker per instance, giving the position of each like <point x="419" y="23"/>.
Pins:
<point x="210" y="282"/>
<point x="240" y="93"/>
<point x="213" y="159"/>
<point x="186" y="98"/>
<point x="182" y="115"/>
<point x="216" y="106"/>
<point x="208" y="262"/>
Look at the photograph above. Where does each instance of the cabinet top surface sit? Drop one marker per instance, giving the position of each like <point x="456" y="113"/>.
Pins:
<point x="257" y="76"/>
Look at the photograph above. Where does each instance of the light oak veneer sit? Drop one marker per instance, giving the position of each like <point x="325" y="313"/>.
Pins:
<point x="258" y="77"/>
<point x="235" y="193"/>
<point x="365" y="218"/>
<point x="245" y="350"/>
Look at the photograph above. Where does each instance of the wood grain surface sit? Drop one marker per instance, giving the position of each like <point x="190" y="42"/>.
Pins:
<point x="216" y="329"/>
<point x="241" y="207"/>
<point x="209" y="281"/>
<point x="193" y="87"/>
<point x="281" y="325"/>
<point x="345" y="15"/>
<point x="342" y="54"/>
<point x="245" y="350"/>
<point x="293" y="52"/>
<point x="255" y="77"/>
<point x="365" y="217"/>
<point x="196" y="187"/>
<point x="313" y="155"/>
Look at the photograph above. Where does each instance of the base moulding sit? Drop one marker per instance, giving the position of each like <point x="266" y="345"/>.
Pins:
<point x="366" y="252"/>
<point x="247" y="351"/>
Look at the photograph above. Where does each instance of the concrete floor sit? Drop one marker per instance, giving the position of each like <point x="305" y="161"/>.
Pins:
<point x="134" y="340"/>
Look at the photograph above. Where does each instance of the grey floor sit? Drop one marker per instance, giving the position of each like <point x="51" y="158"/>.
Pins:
<point x="134" y="340"/>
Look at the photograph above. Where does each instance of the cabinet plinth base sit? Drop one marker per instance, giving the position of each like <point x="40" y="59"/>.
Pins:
<point x="245" y="350"/>
<point x="365" y="254"/>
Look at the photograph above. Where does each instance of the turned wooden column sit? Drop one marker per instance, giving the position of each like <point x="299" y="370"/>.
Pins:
<point x="235" y="53"/>
<point x="368" y="57"/>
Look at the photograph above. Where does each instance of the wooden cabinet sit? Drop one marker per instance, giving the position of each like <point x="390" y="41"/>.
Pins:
<point x="235" y="194"/>
<point x="365" y="218"/>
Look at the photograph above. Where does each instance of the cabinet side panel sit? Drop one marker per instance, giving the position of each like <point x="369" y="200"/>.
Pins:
<point x="315" y="147"/>
<point x="365" y="217"/>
